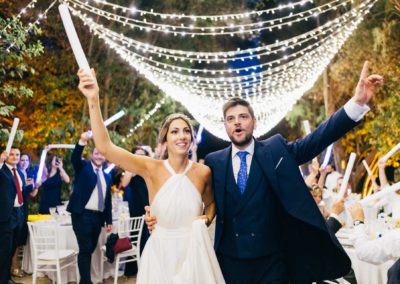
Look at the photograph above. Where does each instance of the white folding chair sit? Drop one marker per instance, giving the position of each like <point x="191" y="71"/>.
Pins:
<point x="46" y="254"/>
<point x="127" y="227"/>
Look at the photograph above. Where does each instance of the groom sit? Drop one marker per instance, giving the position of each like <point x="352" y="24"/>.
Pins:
<point x="268" y="228"/>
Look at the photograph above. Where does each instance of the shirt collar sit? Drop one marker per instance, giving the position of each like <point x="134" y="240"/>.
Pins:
<point x="11" y="167"/>
<point x="95" y="167"/>
<point x="249" y="149"/>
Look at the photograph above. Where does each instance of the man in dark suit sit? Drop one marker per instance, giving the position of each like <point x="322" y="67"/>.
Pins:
<point x="11" y="210"/>
<point x="268" y="227"/>
<point x="89" y="204"/>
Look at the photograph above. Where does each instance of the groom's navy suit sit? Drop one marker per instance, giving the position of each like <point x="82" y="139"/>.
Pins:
<point x="275" y="226"/>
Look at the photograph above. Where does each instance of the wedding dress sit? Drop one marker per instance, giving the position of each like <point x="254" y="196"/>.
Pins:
<point x="179" y="249"/>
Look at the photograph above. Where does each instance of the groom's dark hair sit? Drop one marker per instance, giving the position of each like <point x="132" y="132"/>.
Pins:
<point x="235" y="102"/>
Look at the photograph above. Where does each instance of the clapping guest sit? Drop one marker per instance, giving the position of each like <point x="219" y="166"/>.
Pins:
<point x="54" y="176"/>
<point x="378" y="250"/>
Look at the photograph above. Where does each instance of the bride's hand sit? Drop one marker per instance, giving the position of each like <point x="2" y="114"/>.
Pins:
<point x="204" y="217"/>
<point x="151" y="221"/>
<point x="88" y="84"/>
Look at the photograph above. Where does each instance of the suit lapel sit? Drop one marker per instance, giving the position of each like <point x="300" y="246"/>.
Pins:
<point x="263" y="155"/>
<point x="220" y="175"/>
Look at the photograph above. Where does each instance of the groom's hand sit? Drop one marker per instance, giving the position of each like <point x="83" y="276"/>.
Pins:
<point x="366" y="86"/>
<point x="151" y="221"/>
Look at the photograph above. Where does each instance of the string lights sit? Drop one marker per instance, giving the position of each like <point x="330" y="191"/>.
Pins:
<point x="32" y="24"/>
<point x="271" y="76"/>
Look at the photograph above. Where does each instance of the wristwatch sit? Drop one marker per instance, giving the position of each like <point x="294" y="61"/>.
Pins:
<point x="358" y="222"/>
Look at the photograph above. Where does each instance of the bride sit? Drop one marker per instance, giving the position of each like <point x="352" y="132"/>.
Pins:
<point x="179" y="249"/>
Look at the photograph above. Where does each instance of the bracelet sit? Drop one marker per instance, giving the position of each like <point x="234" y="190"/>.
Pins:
<point x="358" y="222"/>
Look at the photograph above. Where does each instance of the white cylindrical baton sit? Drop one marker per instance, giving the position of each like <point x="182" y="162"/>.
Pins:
<point x="199" y="132"/>
<point x="61" y="146"/>
<point x="109" y="168"/>
<point x="327" y="156"/>
<point x="41" y="166"/>
<point x="73" y="38"/>
<point x="12" y="134"/>
<point x="346" y="177"/>
<point x="380" y="194"/>
<point x="367" y="168"/>
<point x="113" y="118"/>
<point x="307" y="128"/>
<point x="109" y="120"/>
<point x="391" y="152"/>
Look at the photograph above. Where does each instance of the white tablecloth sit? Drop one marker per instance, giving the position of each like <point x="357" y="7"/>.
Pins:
<point x="366" y="273"/>
<point x="67" y="240"/>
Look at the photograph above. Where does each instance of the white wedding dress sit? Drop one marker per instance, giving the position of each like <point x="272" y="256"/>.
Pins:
<point x="179" y="249"/>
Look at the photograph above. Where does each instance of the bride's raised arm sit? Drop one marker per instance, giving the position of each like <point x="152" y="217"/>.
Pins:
<point x="117" y="155"/>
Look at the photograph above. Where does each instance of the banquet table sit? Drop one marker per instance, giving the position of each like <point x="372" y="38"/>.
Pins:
<point x="366" y="273"/>
<point x="67" y="240"/>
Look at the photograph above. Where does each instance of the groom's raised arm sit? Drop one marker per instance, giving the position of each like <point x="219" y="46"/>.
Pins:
<point x="339" y="123"/>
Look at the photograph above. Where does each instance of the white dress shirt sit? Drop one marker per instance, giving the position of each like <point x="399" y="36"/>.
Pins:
<point x="16" y="204"/>
<point x="93" y="202"/>
<point x="236" y="160"/>
<point x="379" y="250"/>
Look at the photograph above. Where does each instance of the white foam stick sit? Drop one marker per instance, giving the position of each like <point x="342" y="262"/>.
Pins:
<point x="198" y="136"/>
<point x="367" y="168"/>
<point x="109" y="120"/>
<point x="307" y="128"/>
<point x="12" y="134"/>
<point x="391" y="152"/>
<point x="380" y="194"/>
<point x="73" y="38"/>
<point x="113" y="118"/>
<point x="346" y="177"/>
<point x="327" y="156"/>
<point x="61" y="146"/>
<point x="109" y="168"/>
<point x="41" y="166"/>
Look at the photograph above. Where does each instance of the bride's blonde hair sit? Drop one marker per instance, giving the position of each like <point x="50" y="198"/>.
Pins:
<point x="162" y="135"/>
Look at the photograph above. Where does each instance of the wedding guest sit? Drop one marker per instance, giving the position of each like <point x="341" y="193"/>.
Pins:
<point x="136" y="194"/>
<point x="89" y="204"/>
<point x="54" y="177"/>
<point x="28" y="191"/>
<point x="12" y="182"/>
<point x="377" y="250"/>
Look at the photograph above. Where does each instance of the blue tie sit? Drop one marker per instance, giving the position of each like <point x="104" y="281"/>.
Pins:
<point x="242" y="174"/>
<point x="100" y="191"/>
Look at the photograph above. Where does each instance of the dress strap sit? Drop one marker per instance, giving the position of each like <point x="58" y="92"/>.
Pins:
<point x="187" y="167"/>
<point x="169" y="168"/>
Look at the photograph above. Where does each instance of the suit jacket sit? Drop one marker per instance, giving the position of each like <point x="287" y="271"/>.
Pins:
<point x="312" y="251"/>
<point x="8" y="192"/>
<point x="84" y="184"/>
<point x="333" y="224"/>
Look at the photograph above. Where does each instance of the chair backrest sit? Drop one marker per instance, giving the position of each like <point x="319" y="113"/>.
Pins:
<point x="131" y="227"/>
<point x="44" y="238"/>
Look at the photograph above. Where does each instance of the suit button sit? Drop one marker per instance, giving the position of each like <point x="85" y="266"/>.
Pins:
<point x="222" y="221"/>
<point x="252" y="234"/>
<point x="234" y="220"/>
<point x="237" y="235"/>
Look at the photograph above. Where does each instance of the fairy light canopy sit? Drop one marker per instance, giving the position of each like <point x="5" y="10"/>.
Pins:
<point x="288" y="47"/>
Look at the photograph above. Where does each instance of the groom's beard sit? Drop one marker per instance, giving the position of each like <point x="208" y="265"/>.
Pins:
<point x="245" y="141"/>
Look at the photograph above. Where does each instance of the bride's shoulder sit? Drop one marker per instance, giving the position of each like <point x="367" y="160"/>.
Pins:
<point x="201" y="169"/>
